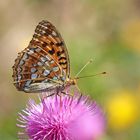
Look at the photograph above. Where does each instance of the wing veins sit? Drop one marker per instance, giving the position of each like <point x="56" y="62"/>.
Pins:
<point x="37" y="79"/>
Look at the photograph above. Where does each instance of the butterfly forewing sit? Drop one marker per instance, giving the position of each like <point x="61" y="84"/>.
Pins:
<point x="53" y="43"/>
<point x="44" y="64"/>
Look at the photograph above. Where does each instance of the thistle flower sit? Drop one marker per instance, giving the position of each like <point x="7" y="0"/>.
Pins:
<point x="62" y="118"/>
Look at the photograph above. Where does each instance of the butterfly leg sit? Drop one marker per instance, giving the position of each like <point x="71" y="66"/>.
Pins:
<point x="44" y="95"/>
<point x="60" y="98"/>
<point x="77" y="87"/>
<point x="79" y="98"/>
<point x="65" y="93"/>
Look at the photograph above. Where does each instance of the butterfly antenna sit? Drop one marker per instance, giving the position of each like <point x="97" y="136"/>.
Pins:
<point x="90" y="61"/>
<point x="102" y="73"/>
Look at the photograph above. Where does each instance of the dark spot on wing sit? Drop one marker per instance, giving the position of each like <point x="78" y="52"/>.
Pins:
<point x="44" y="44"/>
<point x="60" y="44"/>
<point x="51" y="43"/>
<point x="59" y="53"/>
<point x="62" y="58"/>
<point x="63" y="63"/>
<point x="51" y="51"/>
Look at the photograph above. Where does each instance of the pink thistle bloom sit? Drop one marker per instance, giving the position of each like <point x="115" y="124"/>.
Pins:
<point x="65" y="118"/>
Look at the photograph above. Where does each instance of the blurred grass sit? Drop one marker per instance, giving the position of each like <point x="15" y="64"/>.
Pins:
<point x="8" y="130"/>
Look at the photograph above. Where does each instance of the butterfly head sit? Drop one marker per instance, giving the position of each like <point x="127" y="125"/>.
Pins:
<point x="71" y="82"/>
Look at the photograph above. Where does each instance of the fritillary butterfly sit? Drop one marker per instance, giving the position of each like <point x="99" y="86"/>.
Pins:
<point x="44" y="65"/>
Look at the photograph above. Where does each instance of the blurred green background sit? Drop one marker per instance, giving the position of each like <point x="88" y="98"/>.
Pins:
<point x="107" y="31"/>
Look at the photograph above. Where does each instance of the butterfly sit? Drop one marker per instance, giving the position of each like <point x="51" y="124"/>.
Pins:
<point x="44" y="65"/>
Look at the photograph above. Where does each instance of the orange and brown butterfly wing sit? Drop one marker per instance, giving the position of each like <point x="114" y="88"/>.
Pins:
<point x="53" y="43"/>
<point x="44" y="64"/>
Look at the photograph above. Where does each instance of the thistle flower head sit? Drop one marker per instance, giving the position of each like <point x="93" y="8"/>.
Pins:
<point x="62" y="118"/>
